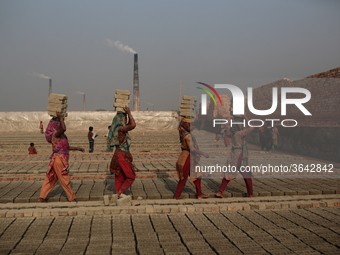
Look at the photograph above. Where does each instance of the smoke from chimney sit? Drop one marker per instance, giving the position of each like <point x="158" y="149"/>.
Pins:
<point x="44" y="77"/>
<point x="119" y="45"/>
<point x="40" y="75"/>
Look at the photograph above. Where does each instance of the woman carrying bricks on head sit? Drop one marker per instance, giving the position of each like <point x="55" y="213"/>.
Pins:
<point x="237" y="157"/>
<point x="58" y="166"/>
<point x="121" y="163"/>
<point x="188" y="159"/>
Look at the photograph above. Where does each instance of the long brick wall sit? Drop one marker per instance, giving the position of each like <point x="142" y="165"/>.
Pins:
<point x="324" y="104"/>
<point x="317" y="135"/>
<point x="333" y="73"/>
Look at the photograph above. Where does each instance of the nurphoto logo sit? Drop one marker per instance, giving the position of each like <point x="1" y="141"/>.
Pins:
<point x="238" y="104"/>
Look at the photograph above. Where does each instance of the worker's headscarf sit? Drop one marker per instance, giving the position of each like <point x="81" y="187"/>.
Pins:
<point x="184" y="128"/>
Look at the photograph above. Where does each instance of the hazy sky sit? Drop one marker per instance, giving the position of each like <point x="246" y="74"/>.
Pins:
<point x="247" y="43"/>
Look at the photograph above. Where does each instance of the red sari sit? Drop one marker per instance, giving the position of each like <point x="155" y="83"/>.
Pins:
<point x="121" y="163"/>
<point x="32" y="150"/>
<point x="187" y="160"/>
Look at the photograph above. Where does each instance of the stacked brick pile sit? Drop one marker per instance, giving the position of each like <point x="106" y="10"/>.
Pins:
<point x="57" y="103"/>
<point x="187" y="107"/>
<point x="121" y="99"/>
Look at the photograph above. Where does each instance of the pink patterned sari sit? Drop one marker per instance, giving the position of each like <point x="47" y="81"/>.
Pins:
<point x="60" y="148"/>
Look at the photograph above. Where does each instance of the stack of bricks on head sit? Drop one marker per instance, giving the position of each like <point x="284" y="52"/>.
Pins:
<point x="187" y="107"/>
<point x="121" y="99"/>
<point x="57" y="103"/>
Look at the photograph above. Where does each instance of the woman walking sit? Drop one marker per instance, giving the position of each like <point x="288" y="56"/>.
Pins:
<point x="188" y="159"/>
<point x="121" y="162"/>
<point x="58" y="166"/>
<point x="275" y="133"/>
<point x="238" y="157"/>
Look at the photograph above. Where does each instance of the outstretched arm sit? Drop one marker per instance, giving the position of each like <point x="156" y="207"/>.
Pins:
<point x="75" y="149"/>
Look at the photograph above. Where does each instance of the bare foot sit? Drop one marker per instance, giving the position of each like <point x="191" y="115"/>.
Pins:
<point x="42" y="200"/>
<point x="219" y="195"/>
<point x="203" y="196"/>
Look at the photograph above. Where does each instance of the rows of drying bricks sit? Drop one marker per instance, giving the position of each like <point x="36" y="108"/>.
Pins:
<point x="149" y="162"/>
<point x="85" y="167"/>
<point x="308" y="231"/>
<point x="78" y="157"/>
<point x="159" y="188"/>
<point x="18" y="143"/>
<point x="144" y="162"/>
<point x="99" y="148"/>
<point x="79" y="171"/>
<point x="166" y="206"/>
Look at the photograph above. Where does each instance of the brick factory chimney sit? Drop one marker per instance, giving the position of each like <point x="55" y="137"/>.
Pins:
<point x="50" y="88"/>
<point x="84" y="103"/>
<point x="136" y="100"/>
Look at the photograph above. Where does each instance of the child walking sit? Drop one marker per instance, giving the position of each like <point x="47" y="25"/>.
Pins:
<point x="91" y="137"/>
